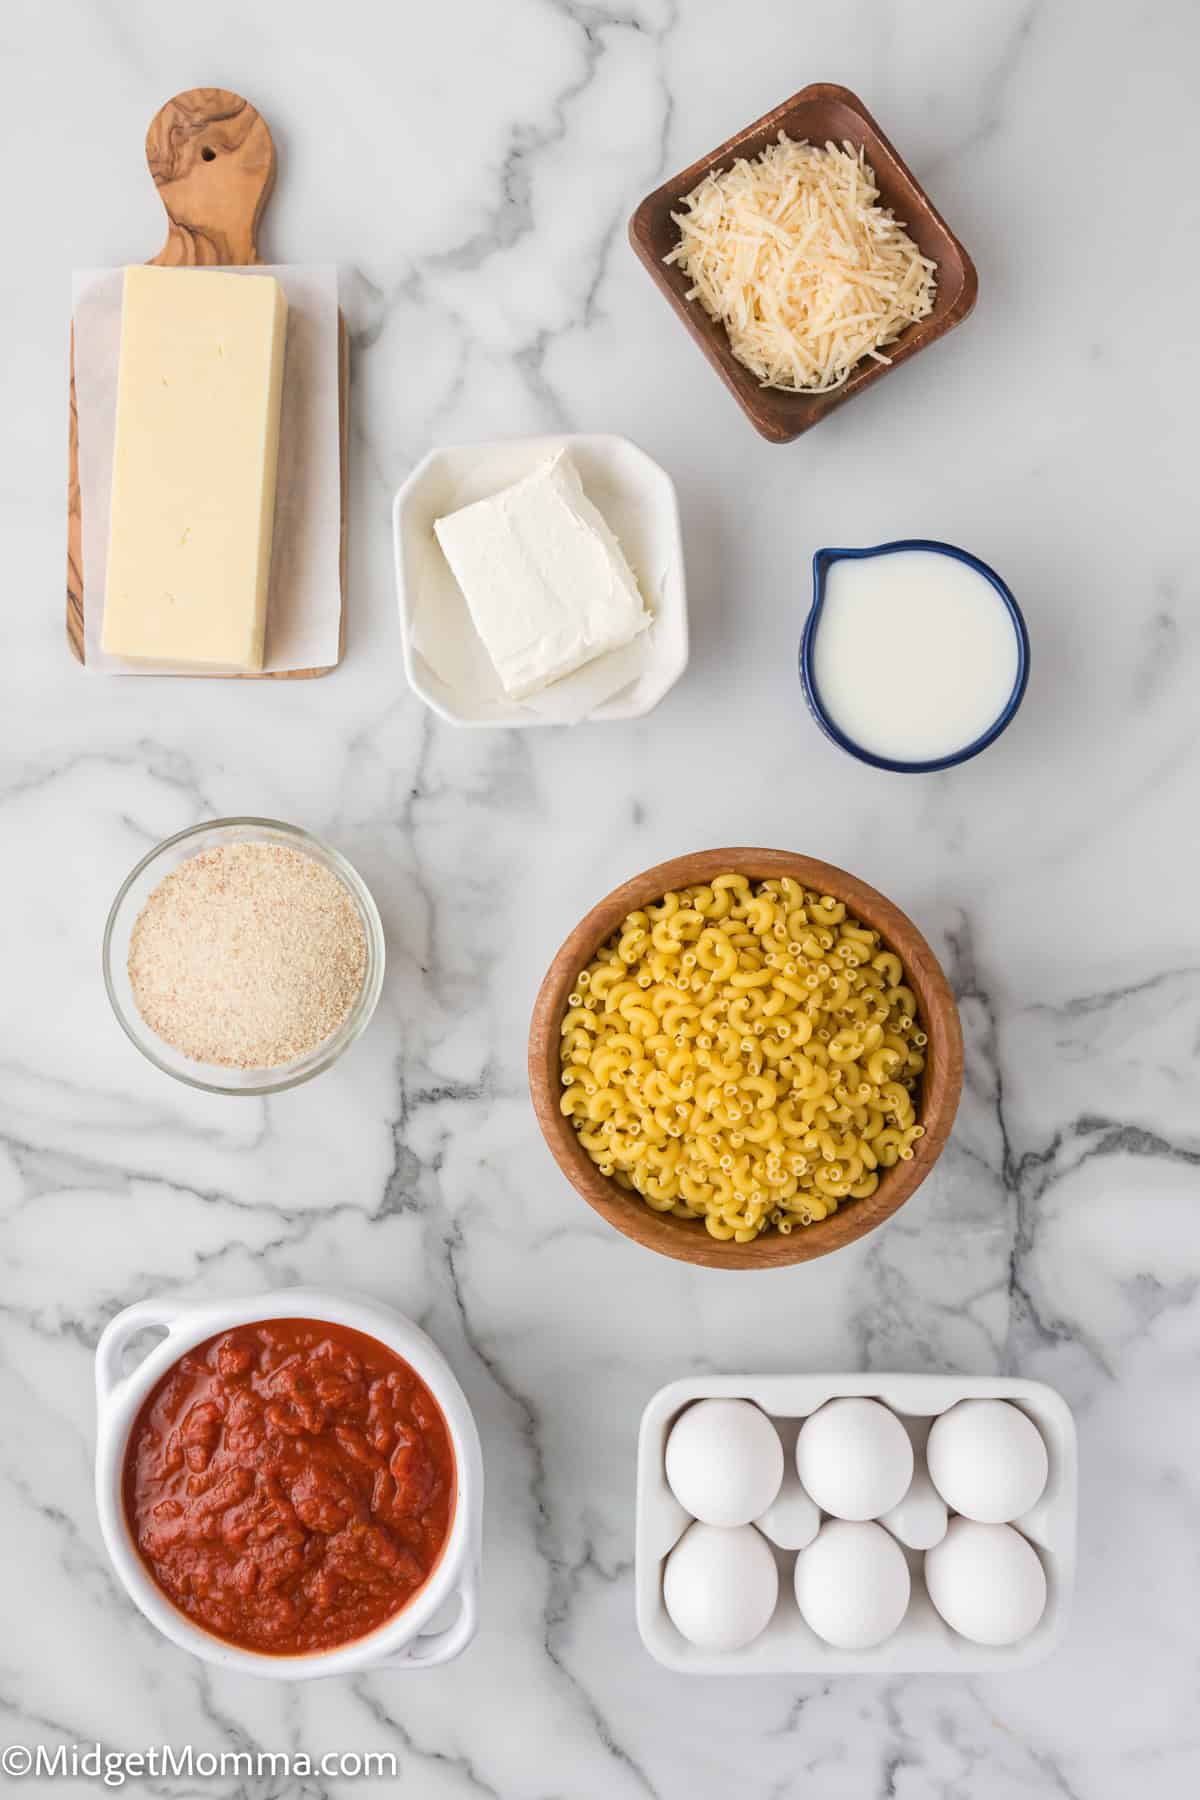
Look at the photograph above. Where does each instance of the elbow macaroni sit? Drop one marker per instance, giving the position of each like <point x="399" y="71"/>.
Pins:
<point x="744" y="1055"/>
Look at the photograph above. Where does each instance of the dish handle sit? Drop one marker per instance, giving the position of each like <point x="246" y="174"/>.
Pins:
<point x="431" y="1647"/>
<point x="119" y="1333"/>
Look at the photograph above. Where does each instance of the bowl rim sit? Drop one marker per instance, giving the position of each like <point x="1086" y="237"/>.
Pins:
<point x="670" y="668"/>
<point x="356" y="1020"/>
<point x="822" y="562"/>
<point x="187" y="1323"/>
<point x="687" y="1240"/>
<point x="778" y="415"/>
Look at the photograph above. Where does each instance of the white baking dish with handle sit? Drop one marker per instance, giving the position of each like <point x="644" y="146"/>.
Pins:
<point x="411" y="1639"/>
<point x="923" y="1641"/>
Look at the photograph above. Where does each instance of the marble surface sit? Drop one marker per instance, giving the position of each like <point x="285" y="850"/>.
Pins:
<point x="471" y="168"/>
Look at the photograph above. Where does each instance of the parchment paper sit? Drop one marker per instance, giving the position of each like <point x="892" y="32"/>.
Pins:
<point x="304" y="611"/>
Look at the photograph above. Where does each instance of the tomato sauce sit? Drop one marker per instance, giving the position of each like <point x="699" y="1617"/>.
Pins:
<point x="289" y="1485"/>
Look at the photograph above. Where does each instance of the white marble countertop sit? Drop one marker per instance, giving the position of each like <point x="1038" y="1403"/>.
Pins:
<point x="471" y="169"/>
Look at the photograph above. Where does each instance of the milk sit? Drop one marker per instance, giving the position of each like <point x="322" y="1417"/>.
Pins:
<point x="914" y="654"/>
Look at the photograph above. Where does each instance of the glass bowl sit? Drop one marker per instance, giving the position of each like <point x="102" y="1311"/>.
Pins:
<point x="136" y="889"/>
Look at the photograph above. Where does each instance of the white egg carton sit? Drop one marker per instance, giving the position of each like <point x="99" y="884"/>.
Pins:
<point x="923" y="1642"/>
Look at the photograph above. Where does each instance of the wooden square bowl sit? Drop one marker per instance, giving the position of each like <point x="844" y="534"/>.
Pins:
<point x="820" y="113"/>
<point x="687" y="1240"/>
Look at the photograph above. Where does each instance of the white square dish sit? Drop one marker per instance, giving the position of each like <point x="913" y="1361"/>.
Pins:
<point x="923" y="1642"/>
<point x="444" y="659"/>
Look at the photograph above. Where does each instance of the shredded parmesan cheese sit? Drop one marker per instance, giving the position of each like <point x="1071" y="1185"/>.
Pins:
<point x="795" y="258"/>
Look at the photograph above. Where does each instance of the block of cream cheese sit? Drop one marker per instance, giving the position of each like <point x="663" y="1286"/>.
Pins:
<point x="546" y="581"/>
<point x="193" y="488"/>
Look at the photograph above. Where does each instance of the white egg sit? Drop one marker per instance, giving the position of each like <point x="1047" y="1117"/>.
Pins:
<point x="987" y="1460"/>
<point x="855" y="1458"/>
<point x="852" y="1584"/>
<point x="724" y="1461"/>
<point x="987" y="1581"/>
<point x="720" y="1585"/>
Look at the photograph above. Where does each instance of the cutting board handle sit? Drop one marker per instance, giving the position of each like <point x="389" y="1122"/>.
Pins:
<point x="213" y="163"/>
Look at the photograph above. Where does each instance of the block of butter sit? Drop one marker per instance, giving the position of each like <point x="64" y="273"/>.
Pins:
<point x="193" y="488"/>
<point x="545" y="579"/>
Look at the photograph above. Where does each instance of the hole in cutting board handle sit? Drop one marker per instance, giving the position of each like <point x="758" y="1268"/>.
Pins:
<point x="208" y="154"/>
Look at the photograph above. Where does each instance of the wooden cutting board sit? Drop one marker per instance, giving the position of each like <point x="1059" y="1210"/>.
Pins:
<point x="213" y="162"/>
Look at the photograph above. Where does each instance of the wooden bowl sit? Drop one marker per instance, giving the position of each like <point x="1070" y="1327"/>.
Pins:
<point x="819" y="113"/>
<point x="687" y="1240"/>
